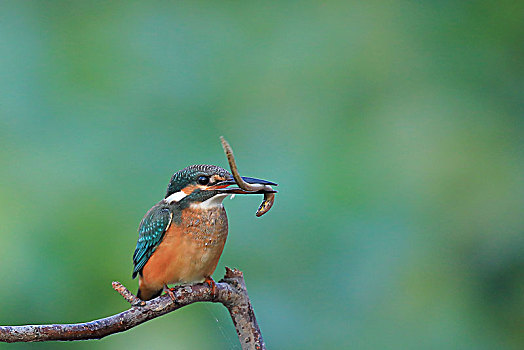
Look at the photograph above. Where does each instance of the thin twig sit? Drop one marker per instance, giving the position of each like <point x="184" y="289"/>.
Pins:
<point x="127" y="295"/>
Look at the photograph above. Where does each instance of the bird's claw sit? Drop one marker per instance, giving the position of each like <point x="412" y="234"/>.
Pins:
<point x="212" y="284"/>
<point x="169" y="292"/>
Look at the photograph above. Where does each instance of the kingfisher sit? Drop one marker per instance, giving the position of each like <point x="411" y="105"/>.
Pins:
<point x="181" y="238"/>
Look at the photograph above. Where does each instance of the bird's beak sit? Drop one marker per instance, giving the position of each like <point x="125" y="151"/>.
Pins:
<point x="260" y="186"/>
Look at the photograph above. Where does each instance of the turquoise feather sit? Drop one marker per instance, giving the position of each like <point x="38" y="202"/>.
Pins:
<point x="150" y="233"/>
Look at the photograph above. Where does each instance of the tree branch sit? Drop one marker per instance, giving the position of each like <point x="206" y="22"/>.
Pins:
<point x="231" y="292"/>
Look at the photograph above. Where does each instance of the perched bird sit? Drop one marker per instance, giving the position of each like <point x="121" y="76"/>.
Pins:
<point x="181" y="238"/>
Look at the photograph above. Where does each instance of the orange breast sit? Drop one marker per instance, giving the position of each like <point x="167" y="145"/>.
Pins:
<point x="190" y="250"/>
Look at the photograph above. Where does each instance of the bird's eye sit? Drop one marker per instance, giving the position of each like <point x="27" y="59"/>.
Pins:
<point x="203" y="180"/>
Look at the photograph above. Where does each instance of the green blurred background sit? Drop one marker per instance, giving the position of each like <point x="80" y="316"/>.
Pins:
<point x="395" y="130"/>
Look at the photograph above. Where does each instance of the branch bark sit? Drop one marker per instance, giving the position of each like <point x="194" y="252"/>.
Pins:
<point x="230" y="291"/>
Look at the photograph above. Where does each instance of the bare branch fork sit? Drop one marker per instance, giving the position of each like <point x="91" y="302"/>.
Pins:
<point x="230" y="291"/>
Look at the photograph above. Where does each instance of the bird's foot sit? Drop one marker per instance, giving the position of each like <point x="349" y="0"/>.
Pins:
<point x="211" y="283"/>
<point x="169" y="291"/>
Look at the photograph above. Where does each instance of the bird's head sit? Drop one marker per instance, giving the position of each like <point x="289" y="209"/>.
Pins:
<point x="206" y="185"/>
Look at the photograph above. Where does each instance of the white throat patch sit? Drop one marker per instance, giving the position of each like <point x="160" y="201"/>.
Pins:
<point x="175" y="197"/>
<point x="213" y="202"/>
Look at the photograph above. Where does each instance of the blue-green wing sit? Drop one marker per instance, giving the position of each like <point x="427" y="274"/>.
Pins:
<point x="150" y="233"/>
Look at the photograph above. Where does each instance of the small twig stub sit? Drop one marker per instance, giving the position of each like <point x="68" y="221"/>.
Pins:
<point x="127" y="295"/>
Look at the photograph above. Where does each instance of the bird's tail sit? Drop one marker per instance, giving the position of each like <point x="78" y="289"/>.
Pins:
<point x="147" y="294"/>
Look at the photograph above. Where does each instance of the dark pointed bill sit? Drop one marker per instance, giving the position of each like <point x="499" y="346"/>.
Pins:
<point x="224" y="186"/>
